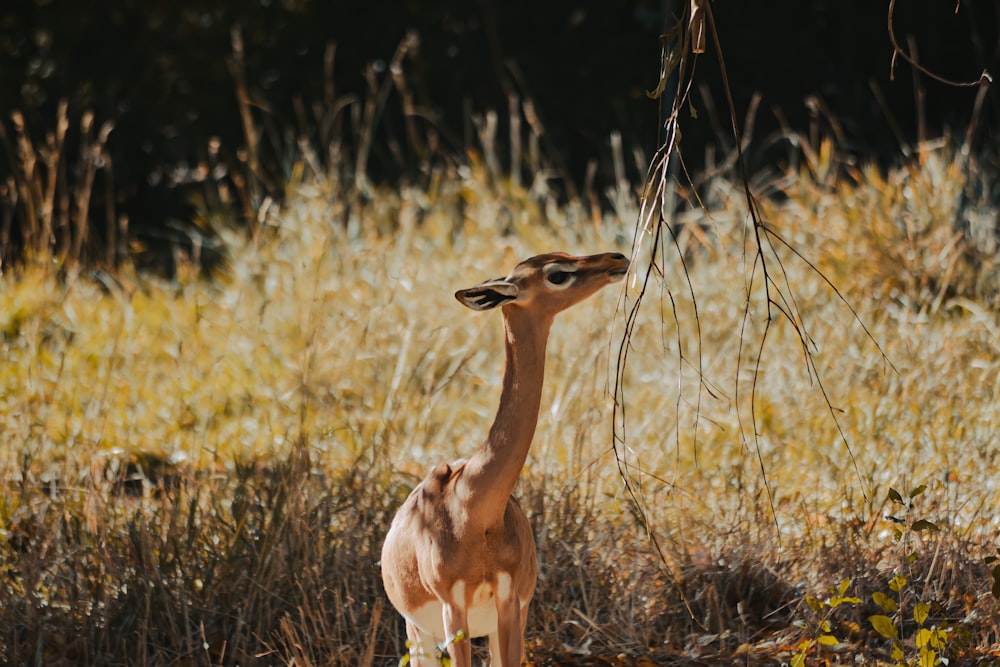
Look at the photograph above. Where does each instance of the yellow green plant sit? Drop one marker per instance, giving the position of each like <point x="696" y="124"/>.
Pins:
<point x="822" y="632"/>
<point x="931" y="641"/>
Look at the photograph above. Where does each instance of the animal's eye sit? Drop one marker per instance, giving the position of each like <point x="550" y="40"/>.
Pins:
<point x="559" y="277"/>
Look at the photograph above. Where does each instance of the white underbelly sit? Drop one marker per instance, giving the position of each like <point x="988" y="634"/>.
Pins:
<point x="482" y="614"/>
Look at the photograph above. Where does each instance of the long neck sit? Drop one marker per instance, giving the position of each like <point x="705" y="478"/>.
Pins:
<point x="492" y="472"/>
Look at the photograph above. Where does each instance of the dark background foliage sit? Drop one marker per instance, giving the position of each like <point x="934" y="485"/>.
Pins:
<point x="160" y="71"/>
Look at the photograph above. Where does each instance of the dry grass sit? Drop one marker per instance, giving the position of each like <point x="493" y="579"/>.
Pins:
<point x="201" y="471"/>
<point x="45" y="208"/>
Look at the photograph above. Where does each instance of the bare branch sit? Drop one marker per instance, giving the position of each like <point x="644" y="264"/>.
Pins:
<point x="985" y="79"/>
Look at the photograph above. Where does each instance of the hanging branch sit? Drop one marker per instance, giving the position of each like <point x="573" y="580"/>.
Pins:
<point x="762" y="258"/>
<point x="985" y="79"/>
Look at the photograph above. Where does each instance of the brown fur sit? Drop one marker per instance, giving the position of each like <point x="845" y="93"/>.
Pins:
<point x="461" y="533"/>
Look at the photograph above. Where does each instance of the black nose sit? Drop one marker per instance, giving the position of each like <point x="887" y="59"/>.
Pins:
<point x="619" y="256"/>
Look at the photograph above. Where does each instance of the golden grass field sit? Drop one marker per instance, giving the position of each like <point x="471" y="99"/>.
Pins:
<point x="201" y="470"/>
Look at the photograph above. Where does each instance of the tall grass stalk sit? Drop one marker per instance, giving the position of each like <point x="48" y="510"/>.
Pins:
<point x="47" y="205"/>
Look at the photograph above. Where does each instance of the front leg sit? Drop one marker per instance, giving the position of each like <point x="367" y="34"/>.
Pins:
<point x="507" y="645"/>
<point x="422" y="650"/>
<point x="456" y="630"/>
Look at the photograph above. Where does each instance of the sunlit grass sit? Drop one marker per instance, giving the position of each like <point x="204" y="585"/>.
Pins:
<point x="327" y="366"/>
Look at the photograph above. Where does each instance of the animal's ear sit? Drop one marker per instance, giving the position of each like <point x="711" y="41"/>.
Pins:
<point x="487" y="295"/>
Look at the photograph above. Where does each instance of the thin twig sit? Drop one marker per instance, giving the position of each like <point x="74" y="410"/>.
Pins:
<point x="984" y="79"/>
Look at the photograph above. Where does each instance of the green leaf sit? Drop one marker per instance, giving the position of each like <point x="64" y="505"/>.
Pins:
<point x="843" y="586"/>
<point x="897" y="582"/>
<point x="443" y="657"/>
<point x="920" y="612"/>
<point x="887" y="604"/>
<point x="405" y="660"/>
<point x="814" y="604"/>
<point x="931" y="640"/>
<point x="894" y="496"/>
<point x="828" y="640"/>
<point x="917" y="491"/>
<point x="924" y="524"/>
<point x="837" y="600"/>
<point x="824" y="625"/>
<point x="883" y="625"/>
<point x="798" y="660"/>
<point x="897" y="650"/>
<point x="928" y="658"/>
